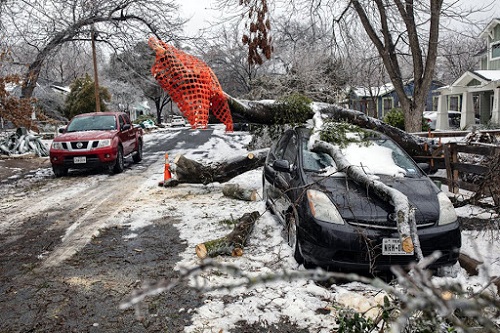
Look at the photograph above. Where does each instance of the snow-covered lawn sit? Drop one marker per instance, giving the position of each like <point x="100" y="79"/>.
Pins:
<point x="201" y="210"/>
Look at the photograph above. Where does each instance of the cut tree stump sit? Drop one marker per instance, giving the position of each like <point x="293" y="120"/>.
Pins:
<point x="190" y="171"/>
<point x="233" y="243"/>
<point x="238" y="192"/>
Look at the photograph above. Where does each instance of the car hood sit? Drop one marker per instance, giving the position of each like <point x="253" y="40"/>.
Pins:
<point x="357" y="203"/>
<point x="85" y="136"/>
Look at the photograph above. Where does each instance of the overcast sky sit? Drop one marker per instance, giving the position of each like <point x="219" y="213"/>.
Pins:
<point x="201" y="15"/>
<point x="199" y="12"/>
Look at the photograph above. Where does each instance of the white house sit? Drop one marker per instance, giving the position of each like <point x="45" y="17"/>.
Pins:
<point x="476" y="92"/>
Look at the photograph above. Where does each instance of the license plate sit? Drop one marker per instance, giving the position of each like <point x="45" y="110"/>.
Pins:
<point x="392" y="247"/>
<point x="80" y="160"/>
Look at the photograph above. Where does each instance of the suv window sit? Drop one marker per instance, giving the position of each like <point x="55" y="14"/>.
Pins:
<point x="122" y="121"/>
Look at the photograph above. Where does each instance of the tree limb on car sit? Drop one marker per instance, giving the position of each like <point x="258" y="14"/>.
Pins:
<point x="259" y="112"/>
<point x="405" y="216"/>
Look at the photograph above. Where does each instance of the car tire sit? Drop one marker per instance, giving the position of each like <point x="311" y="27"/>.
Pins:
<point x="137" y="156"/>
<point x="292" y="235"/>
<point x="119" y="164"/>
<point x="264" y="194"/>
<point x="59" y="171"/>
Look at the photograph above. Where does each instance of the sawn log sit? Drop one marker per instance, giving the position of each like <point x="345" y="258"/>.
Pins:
<point x="471" y="267"/>
<point x="190" y="171"/>
<point x="233" y="243"/>
<point x="238" y="192"/>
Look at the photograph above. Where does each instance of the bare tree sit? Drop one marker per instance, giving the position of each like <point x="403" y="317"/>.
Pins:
<point x="123" y="95"/>
<point x="43" y="26"/>
<point x="67" y="63"/>
<point x="458" y="53"/>
<point x="403" y="29"/>
<point x="366" y="72"/>
<point x="133" y="66"/>
<point x="304" y="61"/>
<point x="228" y="58"/>
<point x="405" y="34"/>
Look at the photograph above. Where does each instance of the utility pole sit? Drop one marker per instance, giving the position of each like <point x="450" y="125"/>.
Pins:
<point x="96" y="79"/>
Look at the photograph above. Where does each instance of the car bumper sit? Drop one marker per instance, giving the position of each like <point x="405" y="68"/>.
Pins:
<point x="93" y="159"/>
<point x="350" y="248"/>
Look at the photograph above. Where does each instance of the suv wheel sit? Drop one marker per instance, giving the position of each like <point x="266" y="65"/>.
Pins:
<point x="119" y="165"/>
<point x="59" y="171"/>
<point x="137" y="156"/>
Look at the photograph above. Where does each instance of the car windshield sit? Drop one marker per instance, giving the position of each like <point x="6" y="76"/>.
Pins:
<point x="92" y="123"/>
<point x="378" y="156"/>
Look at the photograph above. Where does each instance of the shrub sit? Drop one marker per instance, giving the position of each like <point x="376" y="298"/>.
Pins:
<point x="395" y="117"/>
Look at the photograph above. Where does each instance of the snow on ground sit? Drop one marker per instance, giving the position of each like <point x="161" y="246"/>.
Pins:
<point x="201" y="211"/>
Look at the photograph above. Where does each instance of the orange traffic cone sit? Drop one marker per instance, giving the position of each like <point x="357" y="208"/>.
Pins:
<point x="166" y="173"/>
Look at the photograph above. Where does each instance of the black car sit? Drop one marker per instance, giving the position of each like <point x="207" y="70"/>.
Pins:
<point x="335" y="223"/>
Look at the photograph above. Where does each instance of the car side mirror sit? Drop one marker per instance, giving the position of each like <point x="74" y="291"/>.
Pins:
<point x="125" y="127"/>
<point x="61" y="130"/>
<point x="426" y="167"/>
<point x="281" y="166"/>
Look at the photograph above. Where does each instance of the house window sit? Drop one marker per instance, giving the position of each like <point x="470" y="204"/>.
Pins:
<point x="495" y="50"/>
<point x="435" y="101"/>
<point x="387" y="105"/>
<point x="453" y="103"/>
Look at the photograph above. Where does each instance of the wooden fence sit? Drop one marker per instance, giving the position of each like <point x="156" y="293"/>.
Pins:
<point x="467" y="172"/>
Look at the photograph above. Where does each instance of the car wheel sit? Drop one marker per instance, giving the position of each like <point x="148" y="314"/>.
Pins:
<point x="264" y="194"/>
<point x="59" y="171"/>
<point x="293" y="240"/>
<point x="137" y="157"/>
<point x="119" y="165"/>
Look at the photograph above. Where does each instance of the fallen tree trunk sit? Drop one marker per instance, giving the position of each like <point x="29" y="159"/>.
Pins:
<point x="265" y="113"/>
<point x="233" y="243"/>
<point x="413" y="145"/>
<point x="190" y="171"/>
<point x="237" y="192"/>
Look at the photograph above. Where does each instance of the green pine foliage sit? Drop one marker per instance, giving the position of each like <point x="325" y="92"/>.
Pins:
<point x="343" y="133"/>
<point x="293" y="109"/>
<point x="81" y="98"/>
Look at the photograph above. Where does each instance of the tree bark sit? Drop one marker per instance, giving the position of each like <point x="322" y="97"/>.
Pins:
<point x="251" y="111"/>
<point x="190" y="171"/>
<point x="471" y="267"/>
<point x="233" y="243"/>
<point x="379" y="32"/>
<point x="413" y="145"/>
<point x="238" y="192"/>
<point x="264" y="113"/>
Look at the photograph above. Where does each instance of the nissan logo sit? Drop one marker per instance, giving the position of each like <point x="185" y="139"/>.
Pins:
<point x="79" y="145"/>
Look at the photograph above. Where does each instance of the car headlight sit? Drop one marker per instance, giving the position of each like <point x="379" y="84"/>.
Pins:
<point x="104" y="143"/>
<point x="322" y="208"/>
<point x="57" y="146"/>
<point x="447" y="212"/>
